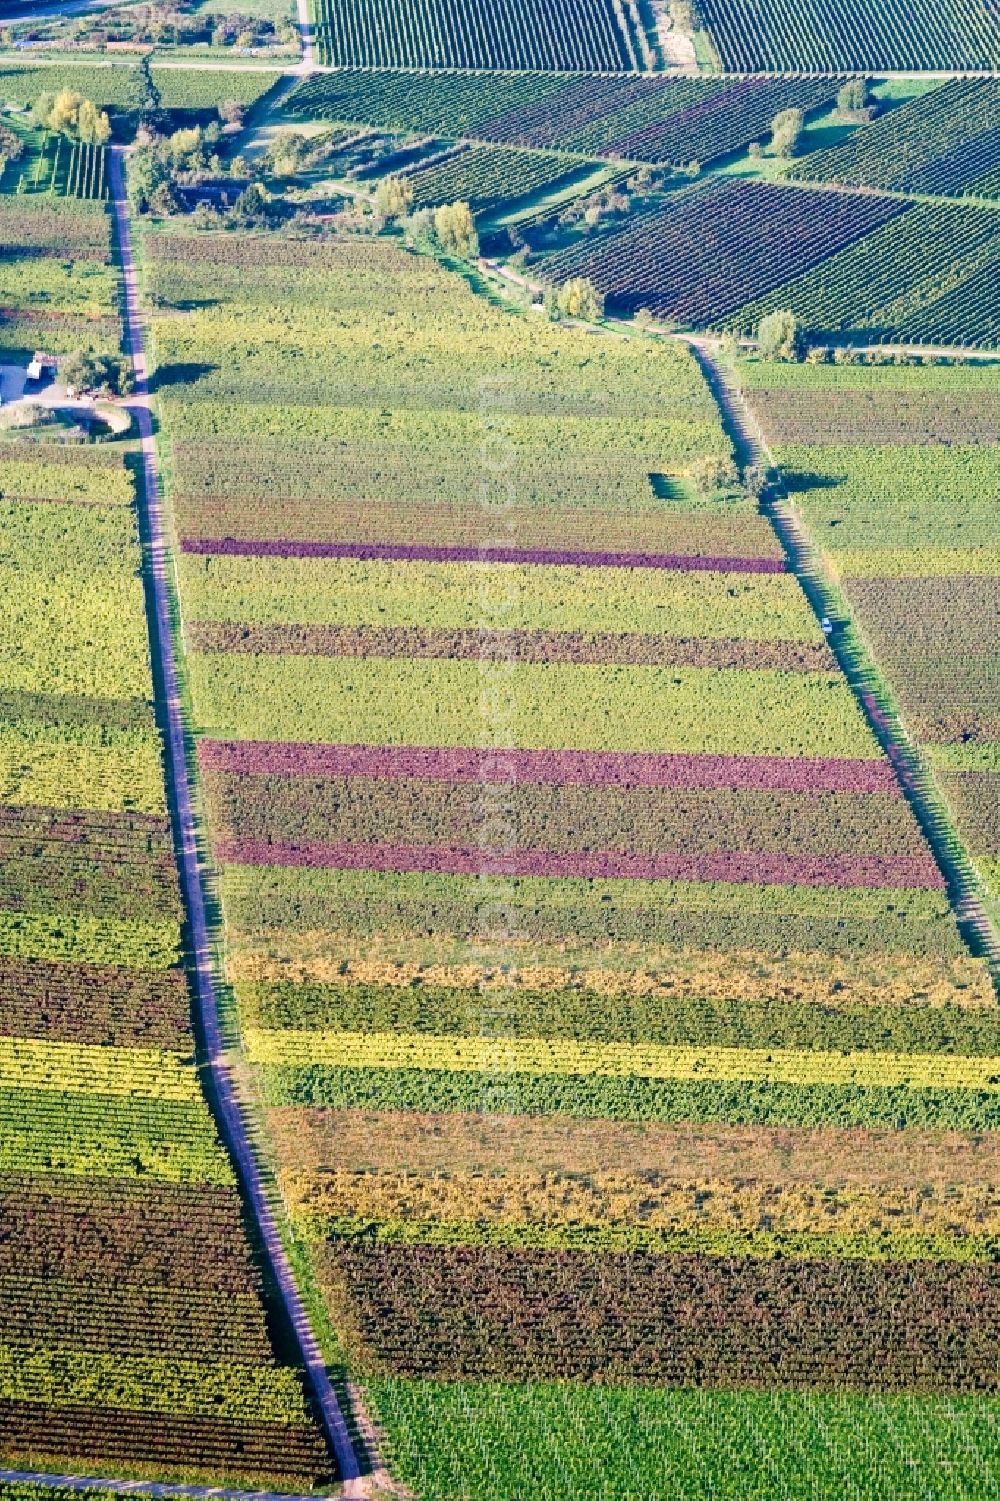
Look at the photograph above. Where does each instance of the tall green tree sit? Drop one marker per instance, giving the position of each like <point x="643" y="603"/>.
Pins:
<point x="786" y="132"/>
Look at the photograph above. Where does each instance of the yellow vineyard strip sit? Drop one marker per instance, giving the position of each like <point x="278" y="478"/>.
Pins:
<point x="688" y="974"/>
<point x="78" y="1068"/>
<point x="618" y="1060"/>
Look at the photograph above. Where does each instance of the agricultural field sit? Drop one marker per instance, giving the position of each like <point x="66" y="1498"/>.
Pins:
<point x="852" y="35"/>
<point x="698" y="260"/>
<point x="60" y="168"/>
<point x="118" y="87"/>
<point x="500" y="750"/>
<point x="896" y="473"/>
<point x="893" y="233"/>
<point x="135" y="1331"/>
<point x="943" y="143"/>
<point x="926" y="277"/>
<point x="487" y="177"/>
<point x="659" y="121"/>
<point x="946" y="142"/>
<point x="58" y="289"/>
<point x="728" y="252"/>
<point x="588" y="36"/>
<point x="585" y="948"/>
<point x="136" y="1335"/>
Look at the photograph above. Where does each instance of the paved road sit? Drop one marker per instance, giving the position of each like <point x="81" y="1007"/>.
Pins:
<point x="230" y="1114"/>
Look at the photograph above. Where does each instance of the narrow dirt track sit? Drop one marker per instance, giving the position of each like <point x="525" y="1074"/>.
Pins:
<point x="162" y="644"/>
<point x="855" y="660"/>
<point x="81" y="1484"/>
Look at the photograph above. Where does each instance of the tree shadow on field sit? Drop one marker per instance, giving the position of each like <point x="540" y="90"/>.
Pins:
<point x="181" y="374"/>
<point x="190" y="304"/>
<point x="798" y="480"/>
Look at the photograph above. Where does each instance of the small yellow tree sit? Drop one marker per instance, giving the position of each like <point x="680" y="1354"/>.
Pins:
<point x="579" y="298"/>
<point x="712" y="473"/>
<point x="92" y="125"/>
<point x="455" y="230"/>
<point x="394" y="197"/>
<point x="68" y="113"/>
<point x="65" y="112"/>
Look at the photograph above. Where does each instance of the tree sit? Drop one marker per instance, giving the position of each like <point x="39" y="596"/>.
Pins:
<point x="579" y="298"/>
<point x="455" y="230"/>
<point x="163" y="201"/>
<point x="786" y="131"/>
<point x="394" y="198"/>
<point x="42" y="109"/>
<point x="11" y="147"/>
<point x="755" y="481"/>
<point x="251" y="205"/>
<point x="80" y="369"/>
<point x="853" y="101"/>
<point x="92" y="126"/>
<point x="89" y="371"/>
<point x="185" y="148"/>
<point x="149" y="101"/>
<point x="68" y="113"/>
<point x="206" y="217"/>
<point x="65" y="112"/>
<point x="419" y="225"/>
<point x="779" y="336"/>
<point x="232" y="111"/>
<point x="140" y="176"/>
<point x="714" y="472"/>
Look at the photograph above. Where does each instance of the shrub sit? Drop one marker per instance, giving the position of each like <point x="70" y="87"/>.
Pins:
<point x="779" y="336"/>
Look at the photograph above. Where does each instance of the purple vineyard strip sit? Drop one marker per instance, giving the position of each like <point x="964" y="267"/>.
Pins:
<point x="426" y="553"/>
<point x="588" y="768"/>
<point x="902" y="872"/>
<point x="579" y="647"/>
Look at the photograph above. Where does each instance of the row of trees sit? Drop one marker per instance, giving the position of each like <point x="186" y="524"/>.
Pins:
<point x="450" y="226"/>
<point x="70" y="114"/>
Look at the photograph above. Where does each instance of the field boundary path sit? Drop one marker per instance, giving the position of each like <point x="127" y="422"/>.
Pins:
<point x="856" y="662"/>
<point x="308" y="35"/>
<point x="226" y="1098"/>
<point x="82" y="1484"/>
